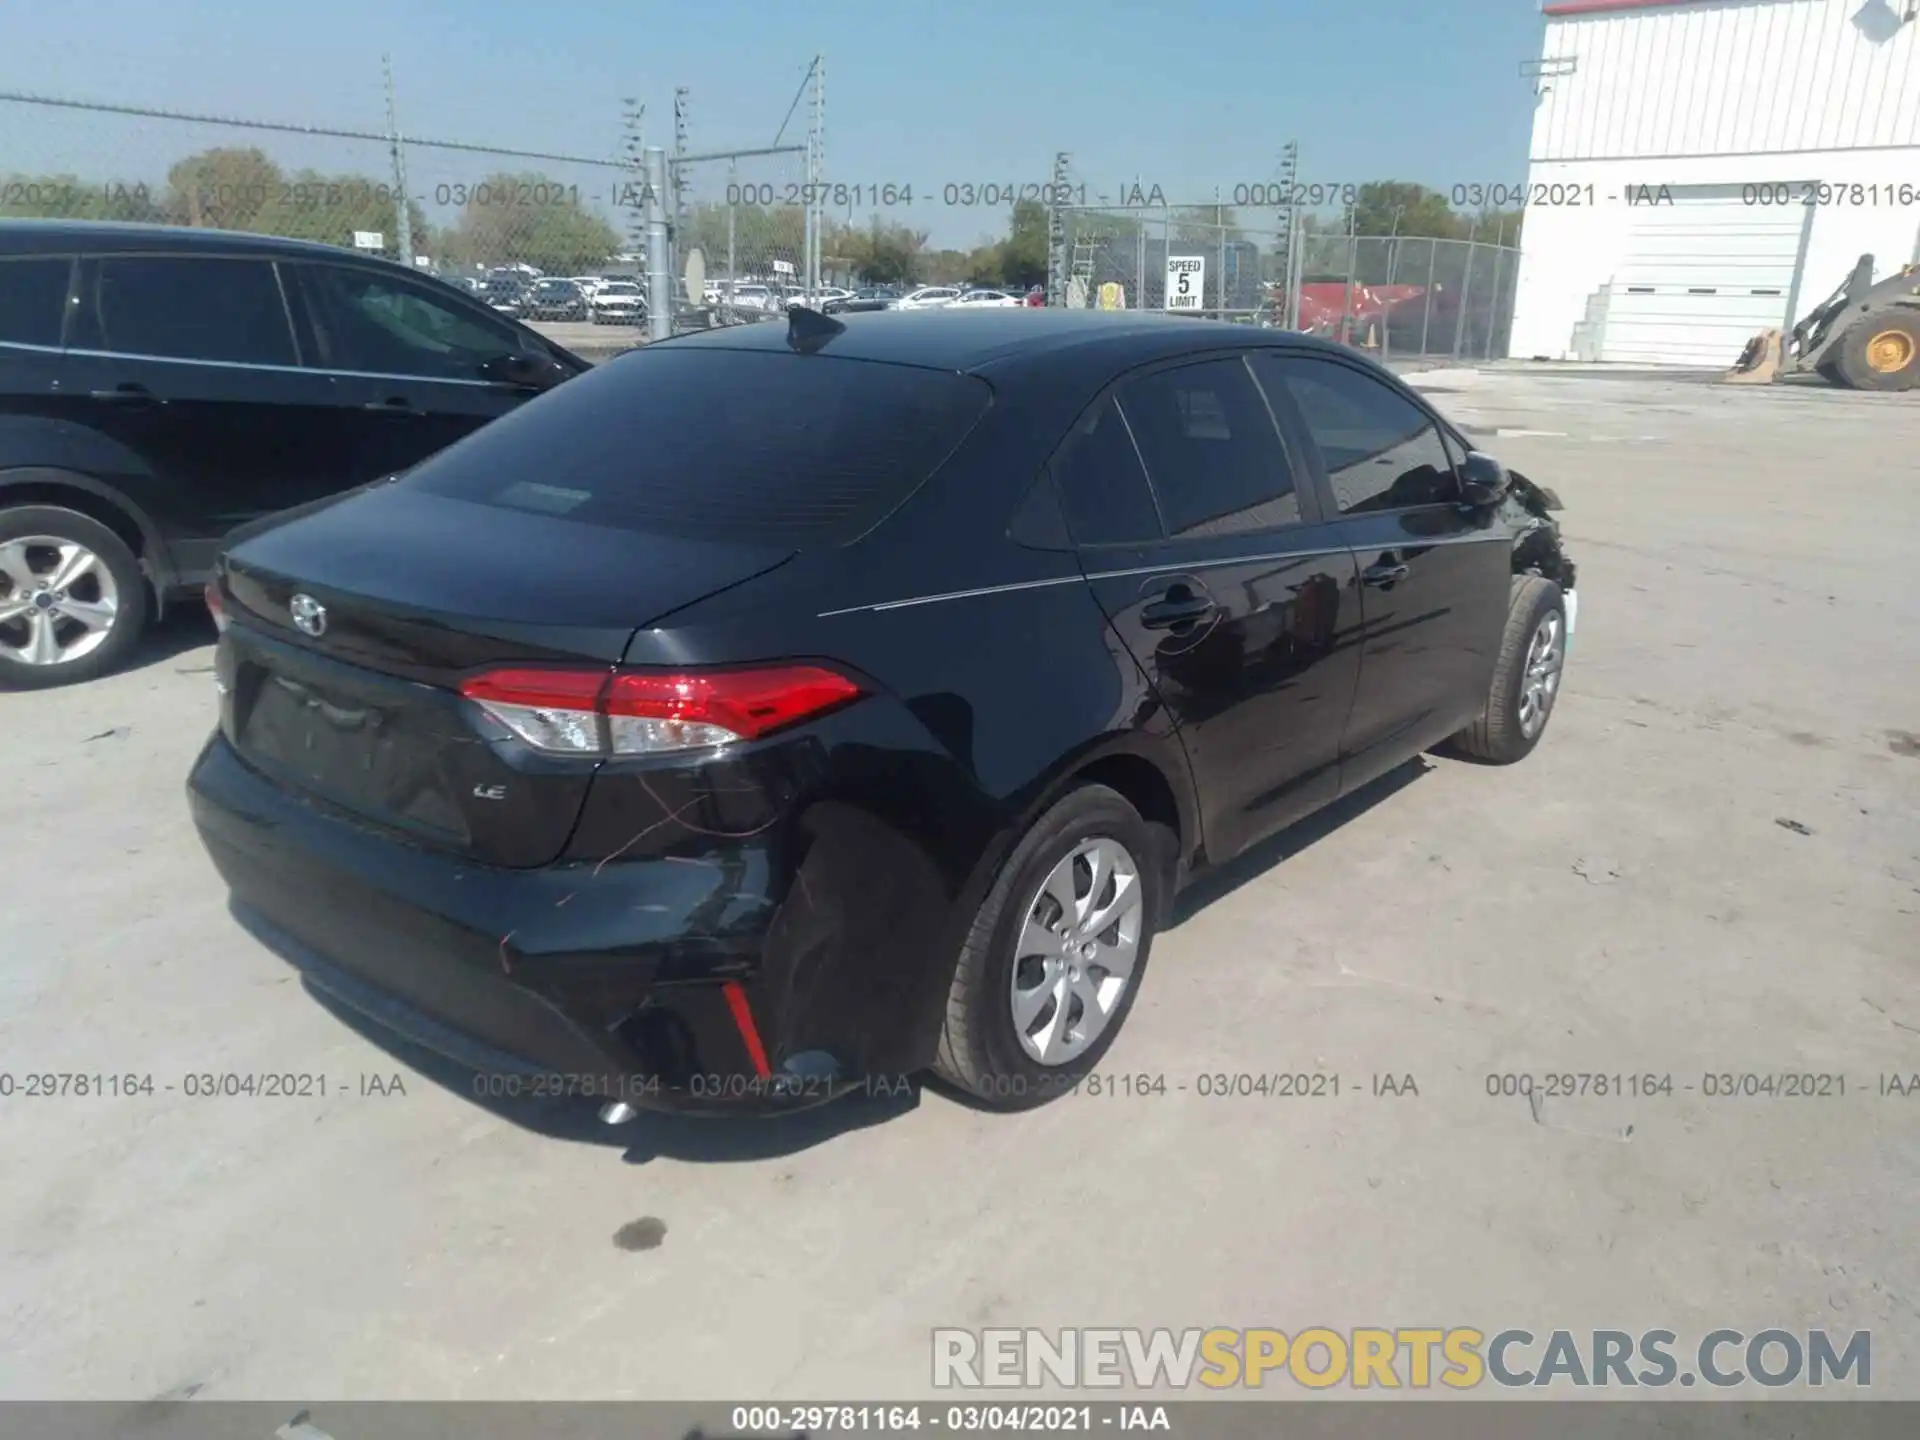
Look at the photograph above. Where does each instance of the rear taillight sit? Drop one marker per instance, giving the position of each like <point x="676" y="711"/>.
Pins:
<point x="622" y="712"/>
<point x="216" y="606"/>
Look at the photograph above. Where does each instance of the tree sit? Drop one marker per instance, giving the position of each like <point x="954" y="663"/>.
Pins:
<point x="234" y="189"/>
<point x="1399" y="207"/>
<point x="885" y="254"/>
<point x="528" y="219"/>
<point x="1024" y="253"/>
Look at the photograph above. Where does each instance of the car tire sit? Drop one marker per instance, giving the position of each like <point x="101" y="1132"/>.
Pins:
<point x="1517" y="713"/>
<point x="113" y="578"/>
<point x="1881" y="350"/>
<point x="981" y="1049"/>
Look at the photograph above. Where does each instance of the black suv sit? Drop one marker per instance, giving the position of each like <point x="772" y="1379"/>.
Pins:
<point x="161" y="387"/>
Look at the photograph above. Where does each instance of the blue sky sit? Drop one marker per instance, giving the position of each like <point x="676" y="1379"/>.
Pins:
<point x="1188" y="95"/>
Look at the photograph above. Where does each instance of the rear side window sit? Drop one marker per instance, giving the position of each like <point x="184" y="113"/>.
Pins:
<point x="1212" y="450"/>
<point x="192" y="309"/>
<point x="1103" y="488"/>
<point x="33" y="300"/>
<point x="762" y="447"/>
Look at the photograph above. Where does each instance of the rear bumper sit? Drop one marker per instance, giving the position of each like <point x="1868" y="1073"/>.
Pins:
<point x="614" y="983"/>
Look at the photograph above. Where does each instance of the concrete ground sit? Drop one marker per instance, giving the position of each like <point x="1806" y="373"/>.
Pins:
<point x="1711" y="865"/>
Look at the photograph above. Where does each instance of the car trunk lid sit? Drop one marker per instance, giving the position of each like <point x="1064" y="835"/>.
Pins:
<point x="352" y="628"/>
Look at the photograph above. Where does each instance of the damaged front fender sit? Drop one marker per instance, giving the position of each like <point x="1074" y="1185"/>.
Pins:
<point x="1537" y="547"/>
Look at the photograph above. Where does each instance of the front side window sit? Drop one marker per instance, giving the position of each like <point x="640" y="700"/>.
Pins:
<point x="1381" y="450"/>
<point x="1211" y="449"/>
<point x="191" y="308"/>
<point x="367" y="321"/>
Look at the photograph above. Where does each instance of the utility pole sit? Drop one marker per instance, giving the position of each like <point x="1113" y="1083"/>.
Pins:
<point x="635" y="198"/>
<point x="659" y="263"/>
<point x="403" y="223"/>
<point x="1057" y="195"/>
<point x="819" y="146"/>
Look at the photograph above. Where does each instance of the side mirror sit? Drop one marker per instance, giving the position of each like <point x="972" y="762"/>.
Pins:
<point x="524" y="370"/>
<point x="1483" y="480"/>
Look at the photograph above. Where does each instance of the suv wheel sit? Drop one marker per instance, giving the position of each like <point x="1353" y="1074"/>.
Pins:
<point x="1526" y="680"/>
<point x="1049" y="970"/>
<point x="72" y="599"/>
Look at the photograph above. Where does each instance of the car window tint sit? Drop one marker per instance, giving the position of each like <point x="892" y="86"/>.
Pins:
<point x="812" y="448"/>
<point x="1103" y="487"/>
<point x="189" y="308"/>
<point x="33" y="300"/>
<point x="1211" y="449"/>
<point x="1380" y="449"/>
<point x="364" y="320"/>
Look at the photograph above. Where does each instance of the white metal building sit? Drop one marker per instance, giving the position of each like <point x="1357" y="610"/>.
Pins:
<point x="1704" y="169"/>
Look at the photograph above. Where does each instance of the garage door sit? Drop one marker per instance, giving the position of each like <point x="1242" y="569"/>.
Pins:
<point x="1703" y="275"/>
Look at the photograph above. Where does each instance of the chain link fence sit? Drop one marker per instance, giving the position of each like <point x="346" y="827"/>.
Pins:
<point x="536" y="235"/>
<point x="745" y="214"/>
<point x="1386" y="295"/>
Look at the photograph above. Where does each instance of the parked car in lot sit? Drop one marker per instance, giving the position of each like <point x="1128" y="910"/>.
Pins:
<point x="601" y="746"/>
<point x="507" y="295"/>
<point x="160" y="386"/>
<point x="618" y="302"/>
<point x="554" y="300"/>
<point x="928" y="297"/>
<point x="755" y="300"/>
<point x="985" y="300"/>
<point x="866" y="298"/>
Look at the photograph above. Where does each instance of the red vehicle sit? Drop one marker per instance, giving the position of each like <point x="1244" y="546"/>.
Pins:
<point x="1325" y="301"/>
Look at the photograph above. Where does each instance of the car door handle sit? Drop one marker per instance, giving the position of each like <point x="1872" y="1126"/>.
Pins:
<point x="1381" y="576"/>
<point x="1179" y="606"/>
<point x="396" y="405"/>
<point x="131" y="393"/>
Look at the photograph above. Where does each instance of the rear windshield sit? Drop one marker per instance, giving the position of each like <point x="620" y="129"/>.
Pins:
<point x="754" y="446"/>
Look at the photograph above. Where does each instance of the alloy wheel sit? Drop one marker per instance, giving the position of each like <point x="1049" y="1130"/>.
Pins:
<point x="1546" y="657"/>
<point x="1075" y="954"/>
<point x="58" y="600"/>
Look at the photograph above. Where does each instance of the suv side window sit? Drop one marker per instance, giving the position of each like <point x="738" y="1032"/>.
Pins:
<point x="363" y="320"/>
<point x="189" y="307"/>
<point x="33" y="300"/>
<point x="1103" y="487"/>
<point x="1211" y="449"/>
<point x="1381" y="450"/>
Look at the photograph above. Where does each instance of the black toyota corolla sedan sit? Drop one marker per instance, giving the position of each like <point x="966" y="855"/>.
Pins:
<point x="781" y="709"/>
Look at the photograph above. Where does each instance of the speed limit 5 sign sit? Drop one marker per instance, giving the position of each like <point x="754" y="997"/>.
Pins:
<point x="1186" y="281"/>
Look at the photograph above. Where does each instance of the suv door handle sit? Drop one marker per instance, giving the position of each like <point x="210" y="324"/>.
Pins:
<point x="1178" y="607"/>
<point x="392" y="405"/>
<point x="131" y="393"/>
<point x="1383" y="575"/>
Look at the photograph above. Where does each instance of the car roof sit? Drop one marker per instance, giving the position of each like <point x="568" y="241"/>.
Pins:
<point x="992" y="341"/>
<point x="21" y="237"/>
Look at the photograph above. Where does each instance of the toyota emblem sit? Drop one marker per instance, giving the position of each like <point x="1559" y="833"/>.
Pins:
<point x="309" y="615"/>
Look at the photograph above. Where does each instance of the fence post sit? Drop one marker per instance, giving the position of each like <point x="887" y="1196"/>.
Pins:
<point x="1492" y="309"/>
<point x="1353" y="257"/>
<point x="403" y="223"/>
<point x="659" y="278"/>
<point x="1466" y="293"/>
<point x="1139" y="259"/>
<point x="1426" y="309"/>
<point x="1220" y="283"/>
